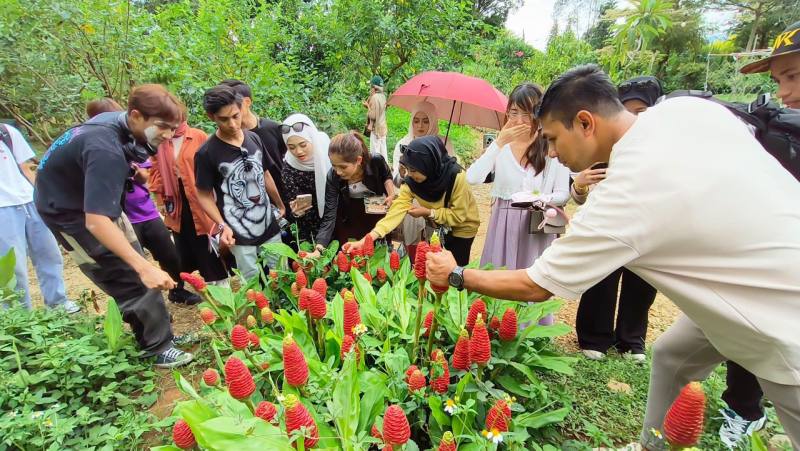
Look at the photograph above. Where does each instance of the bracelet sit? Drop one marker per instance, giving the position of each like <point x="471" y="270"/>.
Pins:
<point x="580" y="191"/>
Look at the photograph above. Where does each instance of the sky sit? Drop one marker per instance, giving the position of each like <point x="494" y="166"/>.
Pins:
<point x="535" y="19"/>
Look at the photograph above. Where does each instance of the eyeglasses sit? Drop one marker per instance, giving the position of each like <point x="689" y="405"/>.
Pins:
<point x="520" y="114"/>
<point x="297" y="126"/>
<point x="248" y="165"/>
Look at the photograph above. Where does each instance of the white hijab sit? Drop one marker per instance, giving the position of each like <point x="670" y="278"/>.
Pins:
<point x="320" y="163"/>
<point x="429" y="110"/>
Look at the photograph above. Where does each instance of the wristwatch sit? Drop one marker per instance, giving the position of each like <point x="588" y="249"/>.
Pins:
<point x="456" y="278"/>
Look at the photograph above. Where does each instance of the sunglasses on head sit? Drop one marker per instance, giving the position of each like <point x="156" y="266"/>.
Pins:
<point x="297" y="126"/>
<point x="638" y="85"/>
<point x="248" y="165"/>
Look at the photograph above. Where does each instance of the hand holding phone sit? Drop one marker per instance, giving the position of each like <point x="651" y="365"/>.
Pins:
<point x="301" y="204"/>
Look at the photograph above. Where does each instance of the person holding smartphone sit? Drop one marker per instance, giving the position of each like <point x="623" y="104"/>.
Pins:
<point x="594" y="323"/>
<point x="304" y="174"/>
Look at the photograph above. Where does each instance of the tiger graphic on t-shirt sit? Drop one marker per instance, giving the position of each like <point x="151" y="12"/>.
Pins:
<point x="245" y="202"/>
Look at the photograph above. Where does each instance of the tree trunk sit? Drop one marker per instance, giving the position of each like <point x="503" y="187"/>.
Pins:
<point x="751" y="41"/>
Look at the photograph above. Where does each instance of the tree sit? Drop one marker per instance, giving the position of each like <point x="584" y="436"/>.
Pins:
<point x="495" y="12"/>
<point x="643" y="21"/>
<point x="757" y="30"/>
<point x="600" y="33"/>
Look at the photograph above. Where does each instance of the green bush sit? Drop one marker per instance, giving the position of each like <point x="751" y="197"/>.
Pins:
<point x="62" y="388"/>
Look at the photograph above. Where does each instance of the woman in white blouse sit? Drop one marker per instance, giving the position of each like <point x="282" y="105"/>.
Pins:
<point x="519" y="161"/>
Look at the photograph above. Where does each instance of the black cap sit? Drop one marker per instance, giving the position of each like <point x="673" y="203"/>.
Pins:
<point x="646" y="89"/>
<point x="786" y="43"/>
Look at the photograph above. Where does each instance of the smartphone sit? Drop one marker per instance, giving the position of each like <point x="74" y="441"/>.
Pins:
<point x="488" y="139"/>
<point x="600" y="166"/>
<point x="303" y="200"/>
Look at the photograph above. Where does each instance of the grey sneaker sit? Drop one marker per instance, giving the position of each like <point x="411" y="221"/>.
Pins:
<point x="735" y="428"/>
<point x="71" y="307"/>
<point x="173" y="357"/>
<point x="593" y="355"/>
<point x="636" y="357"/>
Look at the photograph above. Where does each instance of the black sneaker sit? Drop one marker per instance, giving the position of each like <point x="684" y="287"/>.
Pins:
<point x="173" y="357"/>
<point x="183" y="296"/>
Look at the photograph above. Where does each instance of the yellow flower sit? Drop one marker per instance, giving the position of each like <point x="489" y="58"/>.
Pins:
<point x="48" y="422"/>
<point x="450" y="406"/>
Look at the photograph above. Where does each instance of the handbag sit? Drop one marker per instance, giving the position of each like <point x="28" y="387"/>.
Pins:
<point x="538" y="221"/>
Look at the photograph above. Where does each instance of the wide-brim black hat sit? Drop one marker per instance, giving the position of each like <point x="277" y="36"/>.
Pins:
<point x="786" y="43"/>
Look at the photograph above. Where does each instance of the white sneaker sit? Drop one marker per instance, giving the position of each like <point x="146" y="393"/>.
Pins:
<point x="71" y="307"/>
<point x="593" y="355"/>
<point x="735" y="428"/>
<point x="638" y="358"/>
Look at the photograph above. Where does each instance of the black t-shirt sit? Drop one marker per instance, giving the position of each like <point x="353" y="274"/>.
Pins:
<point x="272" y="140"/>
<point x="239" y="186"/>
<point x="83" y="171"/>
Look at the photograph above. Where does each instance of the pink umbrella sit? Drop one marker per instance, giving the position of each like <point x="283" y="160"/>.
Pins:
<point x="466" y="100"/>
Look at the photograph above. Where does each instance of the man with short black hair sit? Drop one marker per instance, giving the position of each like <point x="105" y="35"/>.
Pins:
<point x="80" y="188"/>
<point x="664" y="211"/>
<point x="234" y="185"/>
<point x="268" y="130"/>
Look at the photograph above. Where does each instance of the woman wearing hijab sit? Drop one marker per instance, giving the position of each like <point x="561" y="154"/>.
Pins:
<point x="304" y="174"/>
<point x="355" y="176"/>
<point x="436" y="181"/>
<point x="423" y="122"/>
<point x="173" y="182"/>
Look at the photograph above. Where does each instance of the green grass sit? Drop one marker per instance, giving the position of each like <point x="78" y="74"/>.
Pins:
<point x="602" y="417"/>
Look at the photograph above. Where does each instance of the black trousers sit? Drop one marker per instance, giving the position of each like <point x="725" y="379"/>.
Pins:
<point x="141" y="308"/>
<point x="594" y="324"/>
<point x="193" y="249"/>
<point x="154" y="236"/>
<point x="743" y="393"/>
<point x="460" y="247"/>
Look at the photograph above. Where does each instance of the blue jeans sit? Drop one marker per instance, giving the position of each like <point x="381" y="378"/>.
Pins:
<point x="26" y="233"/>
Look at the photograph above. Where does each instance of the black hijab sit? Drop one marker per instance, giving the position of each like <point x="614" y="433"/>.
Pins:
<point x="429" y="156"/>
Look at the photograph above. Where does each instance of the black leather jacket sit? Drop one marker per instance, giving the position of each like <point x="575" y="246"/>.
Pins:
<point x="337" y="198"/>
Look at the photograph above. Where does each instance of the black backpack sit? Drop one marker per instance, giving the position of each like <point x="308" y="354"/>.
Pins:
<point x="776" y="128"/>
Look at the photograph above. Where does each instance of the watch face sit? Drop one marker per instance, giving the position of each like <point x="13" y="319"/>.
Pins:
<point x="455" y="279"/>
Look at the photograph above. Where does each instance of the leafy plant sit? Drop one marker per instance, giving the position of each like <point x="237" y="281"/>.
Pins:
<point x="62" y="387"/>
<point x="303" y="357"/>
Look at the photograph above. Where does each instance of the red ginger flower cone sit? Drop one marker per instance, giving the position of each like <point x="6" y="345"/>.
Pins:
<point x="509" y="327"/>
<point x="295" y="291"/>
<point x="410" y="371"/>
<point x="368" y="276"/>
<point x="352" y="316"/>
<point x="254" y="340"/>
<point x="267" y="316"/>
<point x="387" y="447"/>
<point x="349" y="344"/>
<point x="494" y="324"/>
<point x="369" y="246"/>
<point x="320" y="286"/>
<point x="295" y="367"/>
<point x="267" y="412"/>
<point x="182" y="435"/>
<point x="396" y="430"/>
<point x="303" y="299"/>
<point x="301" y="279"/>
<point x="448" y="442"/>
<point x="315" y="303"/>
<point x="295" y="266"/>
<point x="498" y="416"/>
<point x="461" y="359"/>
<point x="240" y="338"/>
<point x="441" y="383"/>
<point x="480" y="347"/>
<point x="251" y="295"/>
<point x="380" y="274"/>
<point x="427" y="322"/>
<point x="208" y="316"/>
<point x="251" y="321"/>
<point x="302" y="254"/>
<point x="297" y="416"/>
<point x="420" y="259"/>
<point x="195" y="281"/>
<point x="416" y="381"/>
<point x="342" y="262"/>
<point x="375" y="432"/>
<point x="238" y="379"/>
<point x="261" y="300"/>
<point x="477" y="307"/>
<point x="683" y="424"/>
<point x="394" y="261"/>
<point x="211" y="377"/>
